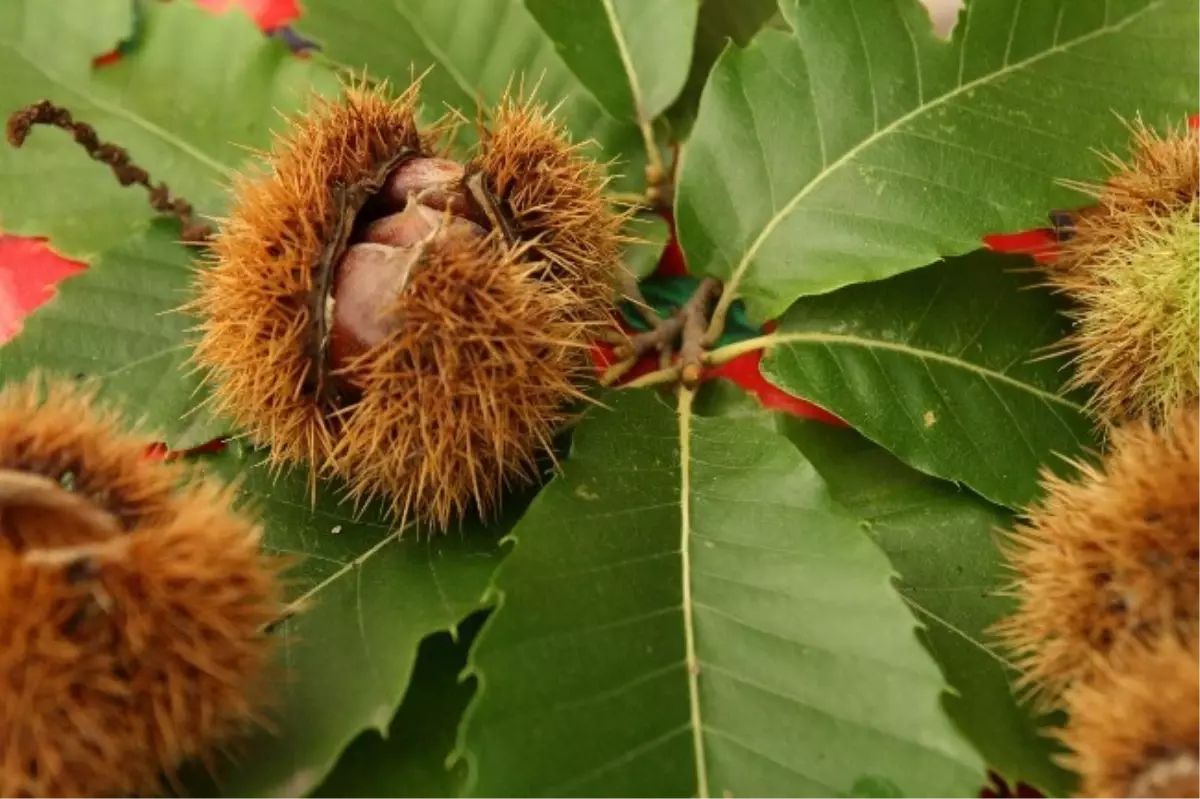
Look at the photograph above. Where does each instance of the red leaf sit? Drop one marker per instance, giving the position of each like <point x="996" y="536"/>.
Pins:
<point x="1039" y="243"/>
<point x="268" y="14"/>
<point x="29" y="270"/>
<point x="10" y="313"/>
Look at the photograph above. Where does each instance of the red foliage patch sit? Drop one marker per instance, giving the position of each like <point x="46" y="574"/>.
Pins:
<point x="29" y="271"/>
<point x="269" y="14"/>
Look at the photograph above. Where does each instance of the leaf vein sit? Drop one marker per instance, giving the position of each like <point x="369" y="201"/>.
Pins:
<point x="920" y="608"/>
<point x="564" y="788"/>
<point x="828" y="339"/>
<point x="867" y="61"/>
<point x="786" y="210"/>
<point x="948" y="406"/>
<point x="862" y="724"/>
<point x="891" y="667"/>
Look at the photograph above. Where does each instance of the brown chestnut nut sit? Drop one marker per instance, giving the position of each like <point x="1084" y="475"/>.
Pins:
<point x="369" y="279"/>
<point x="409" y="227"/>
<point x="435" y="182"/>
<point x="415" y="224"/>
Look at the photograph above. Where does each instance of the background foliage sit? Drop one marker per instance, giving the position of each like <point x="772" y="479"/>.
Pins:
<point x="709" y="602"/>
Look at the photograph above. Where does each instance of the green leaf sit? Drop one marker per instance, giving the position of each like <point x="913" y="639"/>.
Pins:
<point x="726" y="399"/>
<point x="410" y="760"/>
<point x="941" y="540"/>
<point x="946" y="367"/>
<point x="375" y="591"/>
<point x="632" y="55"/>
<point x="470" y="52"/>
<point x="686" y="612"/>
<point x="168" y="103"/>
<point x="642" y="257"/>
<point x="863" y="146"/>
<point x="114" y="323"/>
<point x="718" y="23"/>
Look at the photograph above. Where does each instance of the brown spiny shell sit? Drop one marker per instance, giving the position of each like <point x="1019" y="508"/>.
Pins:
<point x="1135" y="731"/>
<point x="1131" y="265"/>
<point x="471" y="366"/>
<point x="254" y="300"/>
<point x="459" y="400"/>
<point x="1109" y="561"/>
<point x="133" y="599"/>
<point x="554" y="196"/>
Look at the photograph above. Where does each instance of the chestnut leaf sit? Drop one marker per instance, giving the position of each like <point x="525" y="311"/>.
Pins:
<point x="410" y="759"/>
<point x="685" y="611"/>
<point x="862" y="145"/>
<point x="942" y="542"/>
<point x="372" y="591"/>
<point x="632" y="55"/>
<point x="167" y="101"/>
<point x="642" y="256"/>
<point x="946" y="367"/>
<point x="718" y="23"/>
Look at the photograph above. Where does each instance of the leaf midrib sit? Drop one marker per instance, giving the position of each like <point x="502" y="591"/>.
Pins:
<point x="635" y="89"/>
<point x="786" y="210"/>
<point x="692" y="662"/>
<point x="914" y="352"/>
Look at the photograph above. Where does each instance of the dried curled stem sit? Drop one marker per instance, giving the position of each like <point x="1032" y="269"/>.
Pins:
<point x="44" y="112"/>
<point x="22" y="489"/>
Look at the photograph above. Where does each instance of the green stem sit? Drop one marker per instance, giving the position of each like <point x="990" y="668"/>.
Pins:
<point x="713" y="358"/>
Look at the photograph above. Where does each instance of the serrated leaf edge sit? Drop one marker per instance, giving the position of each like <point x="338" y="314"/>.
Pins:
<point x="733" y="282"/>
